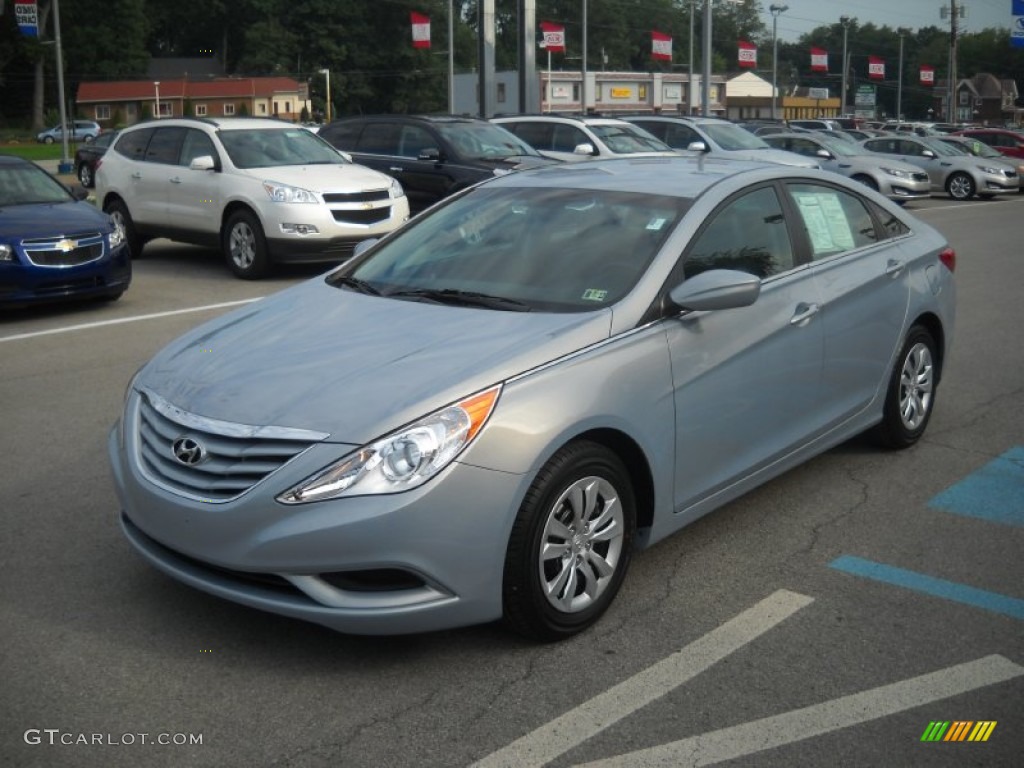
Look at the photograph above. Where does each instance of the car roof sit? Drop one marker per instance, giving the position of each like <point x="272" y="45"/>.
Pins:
<point x="582" y="119"/>
<point x="672" y="175"/>
<point x="220" y="123"/>
<point x="438" y="119"/>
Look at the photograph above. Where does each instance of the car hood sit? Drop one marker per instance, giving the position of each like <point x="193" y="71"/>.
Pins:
<point x="354" y="366"/>
<point x="51" y="219"/>
<point x="318" y="178"/>
<point x="779" y="156"/>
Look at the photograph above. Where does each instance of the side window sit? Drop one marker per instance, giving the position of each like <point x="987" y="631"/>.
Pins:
<point x="803" y="147"/>
<point x="891" y="224"/>
<point x="681" y="136"/>
<point x="910" y="148"/>
<point x="342" y="135"/>
<point x="835" y="221"/>
<point x="568" y="137"/>
<point x="749" y="234"/>
<point x="196" y="144"/>
<point x="415" y="140"/>
<point x="133" y="144"/>
<point x="662" y="130"/>
<point x="165" y="146"/>
<point x="888" y="146"/>
<point x="380" y="139"/>
<point x="537" y="135"/>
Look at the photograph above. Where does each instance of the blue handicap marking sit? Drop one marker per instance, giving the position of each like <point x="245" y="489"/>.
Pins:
<point x="995" y="492"/>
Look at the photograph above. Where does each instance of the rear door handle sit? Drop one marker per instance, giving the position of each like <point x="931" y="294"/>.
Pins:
<point x="136" y="175"/>
<point x="804" y="312"/>
<point x="395" y="169"/>
<point x="175" y="180"/>
<point x="894" y="268"/>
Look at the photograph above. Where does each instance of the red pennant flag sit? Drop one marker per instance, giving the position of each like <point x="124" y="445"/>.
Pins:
<point x="420" y="30"/>
<point x="876" y="68"/>
<point x="661" y="46"/>
<point x="927" y="75"/>
<point x="819" y="60"/>
<point x="747" y="54"/>
<point x="554" y="37"/>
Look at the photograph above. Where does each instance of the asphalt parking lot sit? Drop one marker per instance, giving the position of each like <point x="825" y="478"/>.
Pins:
<point x="839" y="615"/>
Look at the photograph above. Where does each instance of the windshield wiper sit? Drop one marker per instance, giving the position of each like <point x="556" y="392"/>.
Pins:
<point x="356" y="284"/>
<point x="461" y="298"/>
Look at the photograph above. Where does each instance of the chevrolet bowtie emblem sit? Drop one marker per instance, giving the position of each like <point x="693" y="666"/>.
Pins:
<point x="66" y="245"/>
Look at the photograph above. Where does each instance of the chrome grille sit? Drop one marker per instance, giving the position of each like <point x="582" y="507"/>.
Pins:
<point x="233" y="457"/>
<point x="371" y="196"/>
<point x="919" y="176"/>
<point x="70" y="251"/>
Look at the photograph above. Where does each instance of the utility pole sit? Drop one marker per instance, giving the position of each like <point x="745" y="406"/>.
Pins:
<point x="899" y="80"/>
<point x="845" y="21"/>
<point x="775" y="11"/>
<point x="705" y="84"/>
<point x="955" y="13"/>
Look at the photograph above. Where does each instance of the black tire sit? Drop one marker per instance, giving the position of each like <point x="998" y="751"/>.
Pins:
<point x="867" y="181"/>
<point x="48" y="140"/>
<point x="112" y="296"/>
<point x="910" y="398"/>
<point x="118" y="211"/>
<point x="558" y="516"/>
<point x="960" y="186"/>
<point x="245" y="246"/>
<point x="85" y="176"/>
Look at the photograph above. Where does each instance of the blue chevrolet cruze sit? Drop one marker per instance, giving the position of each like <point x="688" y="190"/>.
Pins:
<point x="54" y="245"/>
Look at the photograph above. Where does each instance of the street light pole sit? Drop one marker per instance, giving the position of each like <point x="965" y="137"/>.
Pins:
<point x="327" y="84"/>
<point x="156" y="88"/>
<point x="899" y="80"/>
<point x="705" y="85"/>
<point x="689" y="69"/>
<point x="845" y="21"/>
<point x="775" y="11"/>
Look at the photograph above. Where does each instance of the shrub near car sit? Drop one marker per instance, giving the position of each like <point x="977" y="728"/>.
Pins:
<point x="482" y="415"/>
<point x="54" y="245"/>
<point x="263" y="191"/>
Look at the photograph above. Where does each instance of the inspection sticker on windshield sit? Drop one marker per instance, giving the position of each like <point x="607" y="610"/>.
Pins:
<point x="656" y="223"/>
<point x="594" y="294"/>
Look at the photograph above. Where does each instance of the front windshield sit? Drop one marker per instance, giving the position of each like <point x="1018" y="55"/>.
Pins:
<point x="978" y="148"/>
<point x="529" y="248"/>
<point x="732" y="137"/>
<point x="273" y="147"/>
<point x="624" y="139"/>
<point x="29" y="185"/>
<point x="485" y="141"/>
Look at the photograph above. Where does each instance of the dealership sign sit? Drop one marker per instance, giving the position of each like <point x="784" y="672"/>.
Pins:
<point x="26" y="14"/>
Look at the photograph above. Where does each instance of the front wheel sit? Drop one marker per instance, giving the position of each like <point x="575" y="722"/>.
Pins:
<point x="245" y="247"/>
<point x="571" y="543"/>
<point x="960" y="186"/>
<point x="911" y="391"/>
<point x="85" y="176"/>
<point x="118" y="211"/>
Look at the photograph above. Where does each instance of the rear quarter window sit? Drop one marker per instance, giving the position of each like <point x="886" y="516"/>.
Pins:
<point x="133" y="144"/>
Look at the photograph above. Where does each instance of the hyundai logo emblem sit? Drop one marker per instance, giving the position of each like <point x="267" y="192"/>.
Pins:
<point x="188" y="451"/>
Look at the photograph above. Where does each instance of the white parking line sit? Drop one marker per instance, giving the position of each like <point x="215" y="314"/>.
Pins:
<point x="590" y="718"/>
<point x="769" y="732"/>
<point x="120" y="320"/>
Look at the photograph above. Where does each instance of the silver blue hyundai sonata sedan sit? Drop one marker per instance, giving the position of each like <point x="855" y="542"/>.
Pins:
<point x="482" y="415"/>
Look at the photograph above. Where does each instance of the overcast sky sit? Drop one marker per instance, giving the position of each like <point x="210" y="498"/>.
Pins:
<point x="805" y="15"/>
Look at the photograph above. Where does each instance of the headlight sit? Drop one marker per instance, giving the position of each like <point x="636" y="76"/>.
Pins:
<point x="116" y="237"/>
<point x="995" y="171"/>
<point x="395" y="190"/>
<point x="898" y="173"/>
<point x="403" y="460"/>
<point x="6" y="253"/>
<point x="282" y="193"/>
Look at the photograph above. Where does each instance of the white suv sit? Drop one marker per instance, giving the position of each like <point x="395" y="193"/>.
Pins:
<point x="262" y="190"/>
<point x="581" y="138"/>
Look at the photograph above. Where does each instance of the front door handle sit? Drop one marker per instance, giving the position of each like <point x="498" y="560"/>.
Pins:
<point x="894" y="268"/>
<point x="175" y="180"/>
<point x="803" y="313"/>
<point x="395" y="169"/>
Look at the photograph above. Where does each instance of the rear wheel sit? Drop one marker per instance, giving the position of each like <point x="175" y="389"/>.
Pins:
<point x="245" y="247"/>
<point x="571" y="543"/>
<point x="960" y="186"/>
<point x="911" y="392"/>
<point x="118" y="211"/>
<point x="85" y="175"/>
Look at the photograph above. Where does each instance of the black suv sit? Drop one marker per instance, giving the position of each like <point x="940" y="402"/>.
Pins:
<point x="432" y="156"/>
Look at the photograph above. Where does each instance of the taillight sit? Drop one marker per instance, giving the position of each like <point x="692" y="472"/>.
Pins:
<point x="99" y="162"/>
<point x="948" y="257"/>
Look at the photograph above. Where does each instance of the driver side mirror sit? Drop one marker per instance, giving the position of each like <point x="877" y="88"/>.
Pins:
<point x="928" y="153"/>
<point x="717" y="289"/>
<point x="584" y="149"/>
<point x="430" y="154"/>
<point x="824" y="153"/>
<point x="697" y="146"/>
<point x="202" y="163"/>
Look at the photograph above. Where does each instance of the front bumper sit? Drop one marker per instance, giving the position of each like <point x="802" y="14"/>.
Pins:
<point x="424" y="560"/>
<point x="30" y="284"/>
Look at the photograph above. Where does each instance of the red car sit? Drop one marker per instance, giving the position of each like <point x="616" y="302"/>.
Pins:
<point x="1008" y="142"/>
